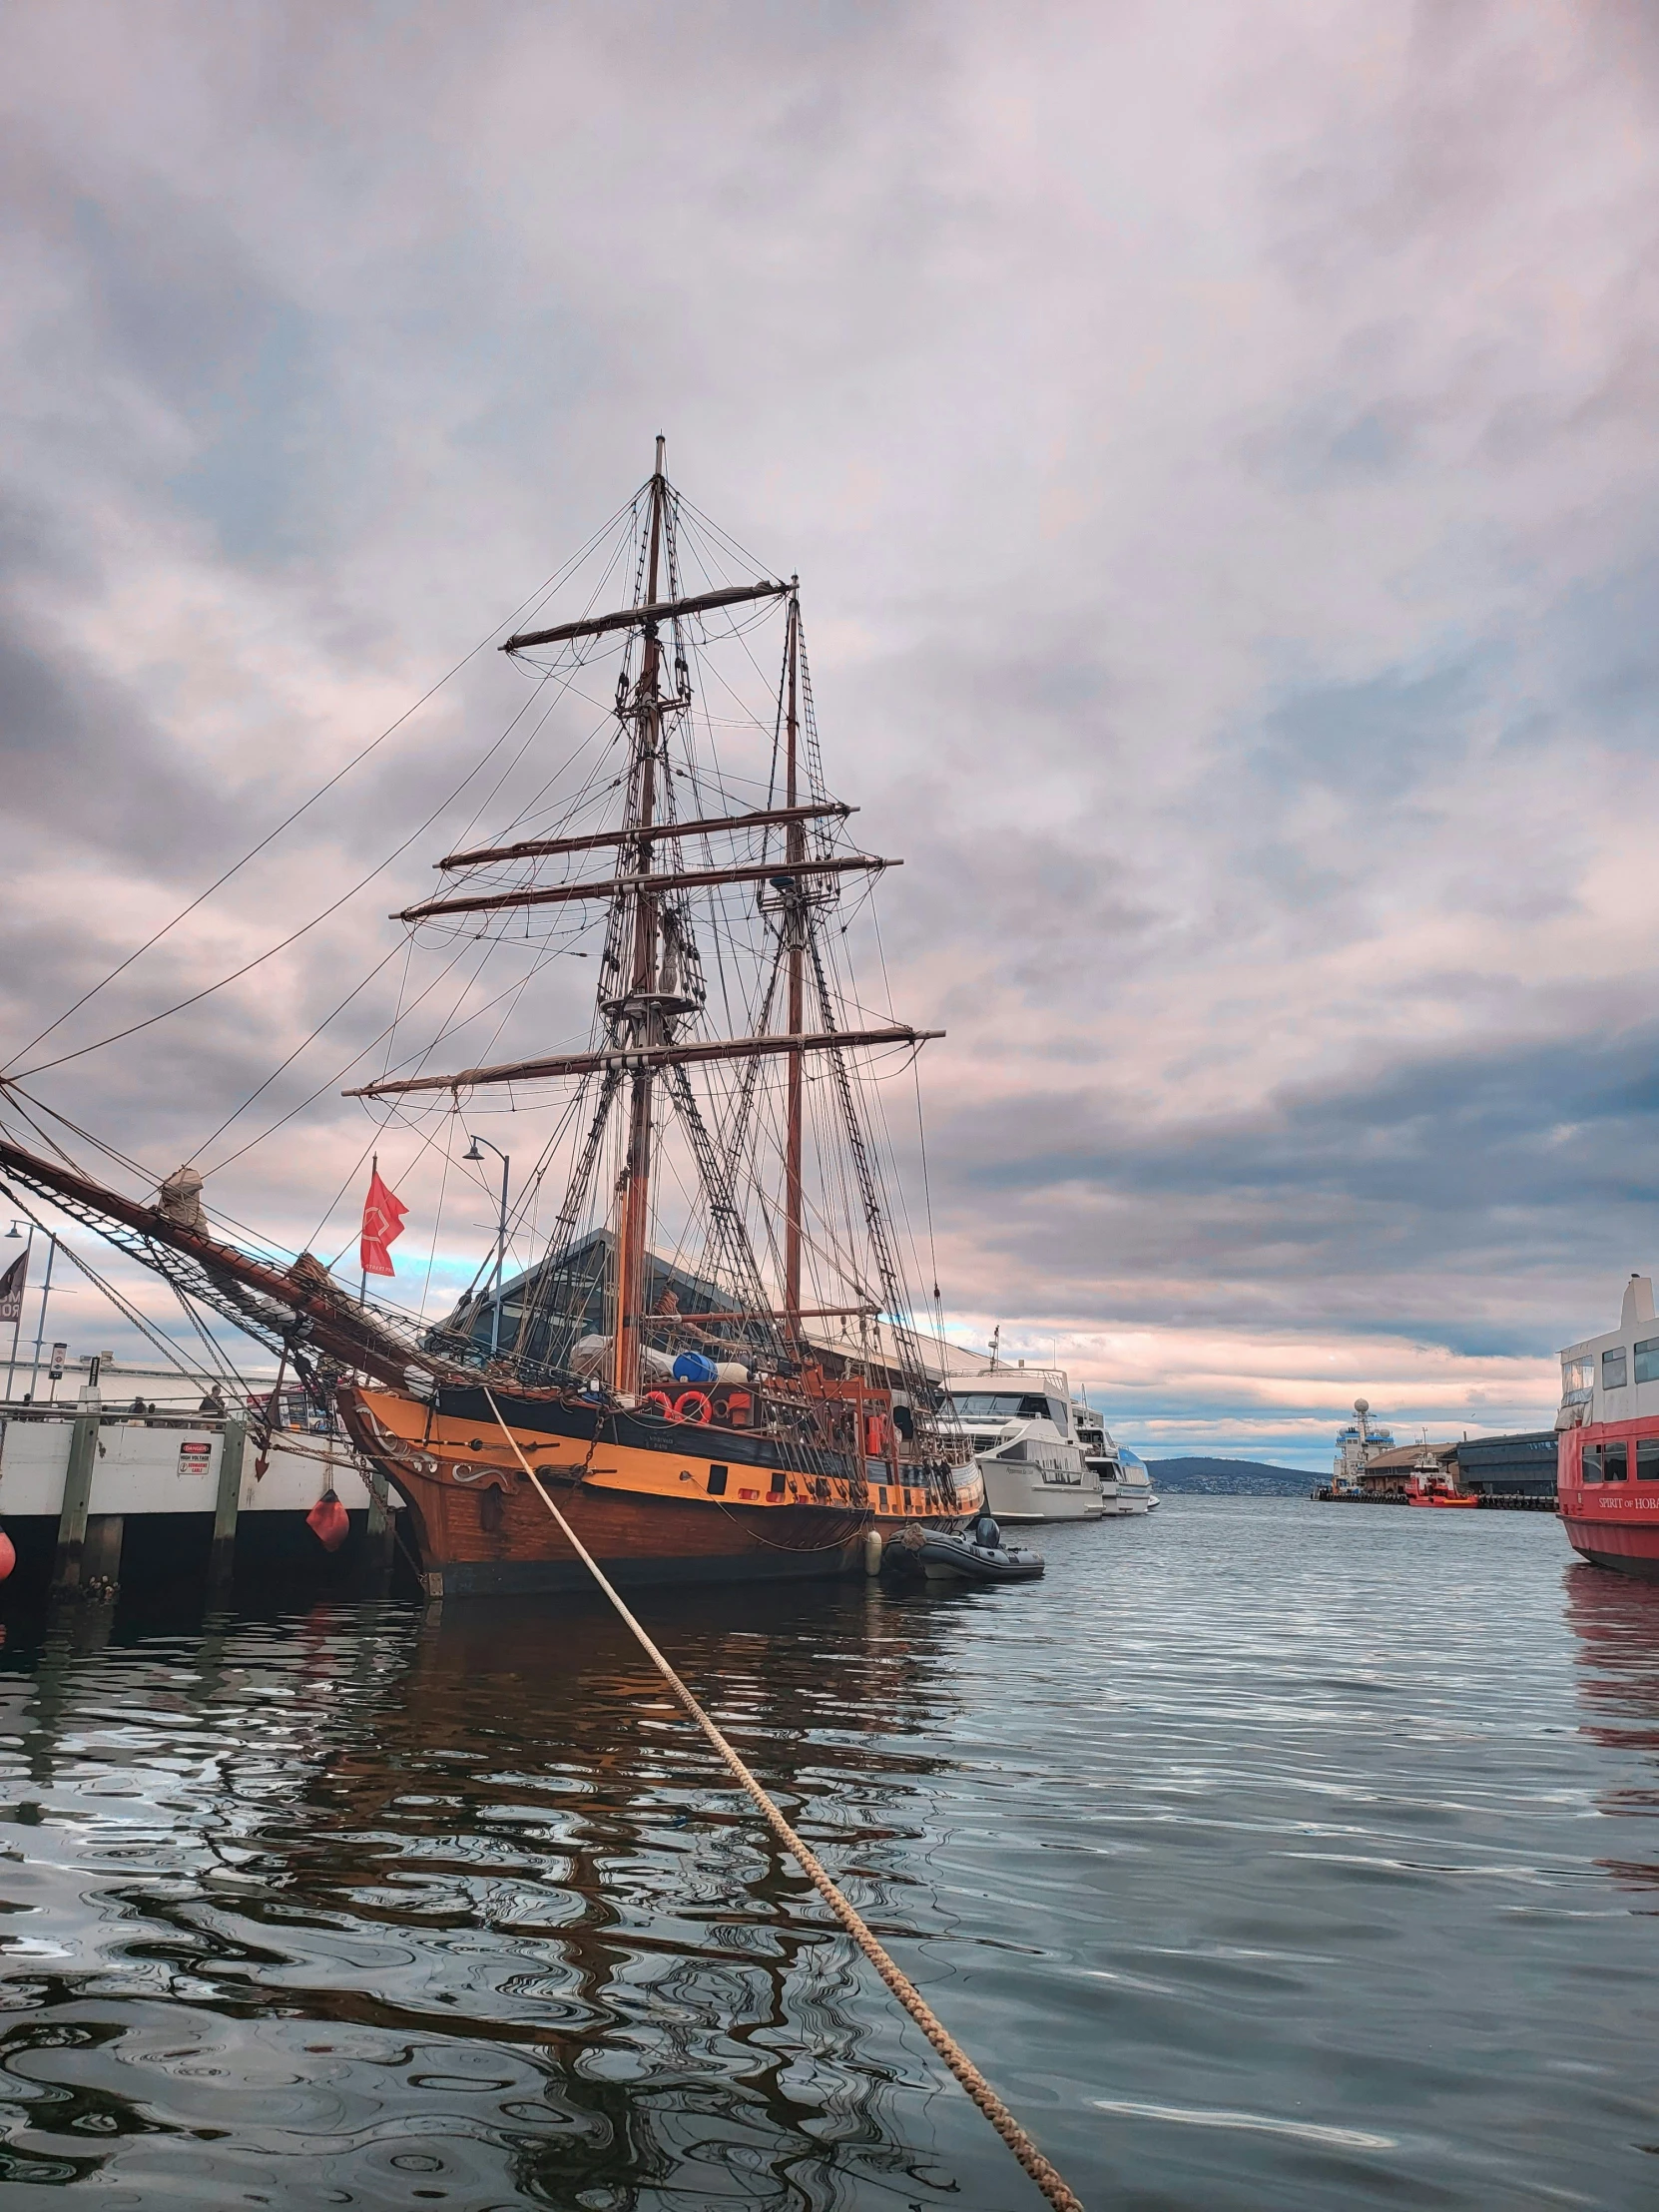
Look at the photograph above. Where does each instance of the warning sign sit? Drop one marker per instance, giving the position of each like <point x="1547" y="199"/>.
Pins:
<point x="195" y="1453"/>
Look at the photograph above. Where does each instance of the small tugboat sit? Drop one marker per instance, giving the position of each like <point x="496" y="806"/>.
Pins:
<point x="1429" y="1485"/>
<point x="1607" y="1476"/>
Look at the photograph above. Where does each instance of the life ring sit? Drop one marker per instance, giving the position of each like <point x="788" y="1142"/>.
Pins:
<point x="661" y="1399"/>
<point x="687" y="1404"/>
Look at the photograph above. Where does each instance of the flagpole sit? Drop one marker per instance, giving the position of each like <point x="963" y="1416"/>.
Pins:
<point x="362" y="1283"/>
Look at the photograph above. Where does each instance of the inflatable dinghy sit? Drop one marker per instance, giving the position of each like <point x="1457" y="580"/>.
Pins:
<point x="979" y="1556"/>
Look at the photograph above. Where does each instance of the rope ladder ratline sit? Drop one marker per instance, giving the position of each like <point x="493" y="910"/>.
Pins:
<point x="1032" y="2159"/>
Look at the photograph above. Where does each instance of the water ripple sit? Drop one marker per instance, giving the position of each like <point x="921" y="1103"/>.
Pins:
<point x="1266" y="1856"/>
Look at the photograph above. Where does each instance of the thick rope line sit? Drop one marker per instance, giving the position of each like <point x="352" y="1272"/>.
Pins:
<point x="904" y="1988"/>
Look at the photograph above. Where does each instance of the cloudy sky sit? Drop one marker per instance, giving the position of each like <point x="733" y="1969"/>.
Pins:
<point x="1217" y="445"/>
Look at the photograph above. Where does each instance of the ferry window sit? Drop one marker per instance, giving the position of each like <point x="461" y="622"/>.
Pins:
<point x="1647" y="1459"/>
<point x="1577" y="1381"/>
<point x="1647" y="1361"/>
<point x="1613" y="1369"/>
<point x="1615" y="1462"/>
<point x="1590" y="1465"/>
<point x="717" y="1481"/>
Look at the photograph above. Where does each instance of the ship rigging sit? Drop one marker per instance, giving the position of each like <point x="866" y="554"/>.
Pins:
<point x="721" y="1193"/>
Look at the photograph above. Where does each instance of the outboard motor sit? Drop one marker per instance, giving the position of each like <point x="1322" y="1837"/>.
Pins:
<point x="986" y="1535"/>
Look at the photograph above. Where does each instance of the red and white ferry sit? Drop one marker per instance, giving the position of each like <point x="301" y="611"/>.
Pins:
<point x="1607" y="1469"/>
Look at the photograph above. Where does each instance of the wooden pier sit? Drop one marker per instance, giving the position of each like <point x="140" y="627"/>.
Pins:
<point x="1490" y="1501"/>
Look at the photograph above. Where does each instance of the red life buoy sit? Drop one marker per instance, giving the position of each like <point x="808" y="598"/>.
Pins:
<point x="661" y="1399"/>
<point x="8" y="1555"/>
<point x="693" y="1405"/>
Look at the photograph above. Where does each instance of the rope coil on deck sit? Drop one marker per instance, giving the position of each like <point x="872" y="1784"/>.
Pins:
<point x="1054" y="2187"/>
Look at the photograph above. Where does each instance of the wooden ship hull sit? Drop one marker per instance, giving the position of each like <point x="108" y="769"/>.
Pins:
<point x="656" y="1502"/>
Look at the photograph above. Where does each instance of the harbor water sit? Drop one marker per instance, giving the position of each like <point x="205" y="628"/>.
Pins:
<point x="1263" y="1855"/>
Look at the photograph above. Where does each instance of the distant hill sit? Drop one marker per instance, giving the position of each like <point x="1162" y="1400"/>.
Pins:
<point x="1231" y="1478"/>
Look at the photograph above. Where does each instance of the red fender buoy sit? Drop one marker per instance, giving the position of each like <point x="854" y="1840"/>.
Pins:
<point x="8" y="1555"/>
<point x="686" y="1407"/>
<point x="328" y="1522"/>
<point x="661" y="1399"/>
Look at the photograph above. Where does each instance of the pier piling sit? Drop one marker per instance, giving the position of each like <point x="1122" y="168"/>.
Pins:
<point x="77" y="1496"/>
<point x="227" y="1505"/>
<point x="379" y="1536"/>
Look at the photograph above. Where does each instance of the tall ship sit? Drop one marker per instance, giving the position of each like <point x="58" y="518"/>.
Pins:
<point x="1607" y="1430"/>
<point x="711" y="1365"/>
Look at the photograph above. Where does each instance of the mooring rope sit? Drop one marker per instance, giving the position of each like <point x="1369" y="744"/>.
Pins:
<point x="904" y="1988"/>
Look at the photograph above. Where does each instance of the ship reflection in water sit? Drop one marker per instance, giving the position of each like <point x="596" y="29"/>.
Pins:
<point x="363" y="1911"/>
<point x="1616" y="1621"/>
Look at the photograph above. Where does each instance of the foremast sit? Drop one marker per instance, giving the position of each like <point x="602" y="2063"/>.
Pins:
<point x="794" y="953"/>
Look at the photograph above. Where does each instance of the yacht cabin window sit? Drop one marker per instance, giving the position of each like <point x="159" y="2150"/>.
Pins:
<point x="1007" y="1405"/>
<point x="1614" y="1369"/>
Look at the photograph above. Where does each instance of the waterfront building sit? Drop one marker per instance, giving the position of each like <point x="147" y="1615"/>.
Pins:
<point x="1521" y="1465"/>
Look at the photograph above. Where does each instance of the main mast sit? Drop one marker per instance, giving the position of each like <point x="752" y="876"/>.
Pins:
<point x="634" y="1221"/>
<point x="796" y="945"/>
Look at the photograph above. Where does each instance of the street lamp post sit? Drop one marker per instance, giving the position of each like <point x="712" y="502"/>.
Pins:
<point x="16" y="1230"/>
<point x="45" y="1294"/>
<point x="473" y="1153"/>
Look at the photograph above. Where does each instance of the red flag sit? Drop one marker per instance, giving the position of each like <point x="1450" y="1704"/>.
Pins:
<point x="383" y="1216"/>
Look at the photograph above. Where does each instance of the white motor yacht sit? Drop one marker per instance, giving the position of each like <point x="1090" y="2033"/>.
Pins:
<point x="1021" y="1428"/>
<point x="1134" y="1483"/>
<point x="1125" y="1485"/>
